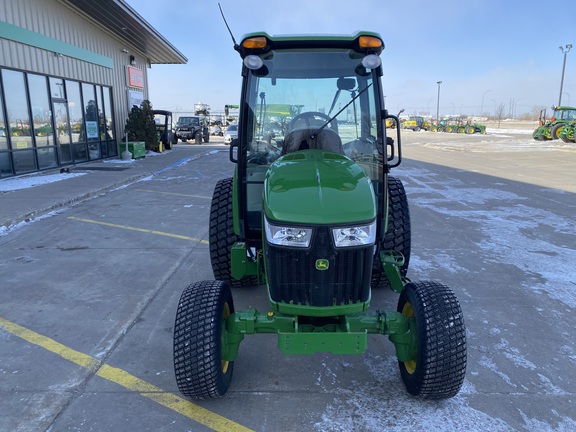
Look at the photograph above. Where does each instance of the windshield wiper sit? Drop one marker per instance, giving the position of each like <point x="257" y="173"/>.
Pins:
<point x="315" y="134"/>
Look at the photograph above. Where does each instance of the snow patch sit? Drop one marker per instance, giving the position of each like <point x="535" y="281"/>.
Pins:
<point x="13" y="184"/>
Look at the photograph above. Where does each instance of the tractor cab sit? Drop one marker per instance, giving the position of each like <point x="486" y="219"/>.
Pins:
<point x="322" y="95"/>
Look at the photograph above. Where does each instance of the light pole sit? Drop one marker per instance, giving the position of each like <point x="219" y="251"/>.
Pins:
<point x="482" y="107"/>
<point x="438" y="104"/>
<point x="565" y="52"/>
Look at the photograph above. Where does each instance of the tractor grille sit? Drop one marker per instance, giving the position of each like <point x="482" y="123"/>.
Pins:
<point x="293" y="277"/>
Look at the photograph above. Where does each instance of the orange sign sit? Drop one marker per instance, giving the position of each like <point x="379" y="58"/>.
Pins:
<point x="135" y="77"/>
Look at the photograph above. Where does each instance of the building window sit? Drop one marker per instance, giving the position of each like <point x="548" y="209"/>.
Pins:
<point x="61" y="120"/>
<point x="5" y="157"/>
<point x="109" y="123"/>
<point x="20" y="134"/>
<point x="42" y="122"/>
<point x="46" y="122"/>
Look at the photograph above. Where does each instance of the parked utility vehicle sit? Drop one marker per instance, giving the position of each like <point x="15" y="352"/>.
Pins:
<point x="315" y="215"/>
<point x="165" y="128"/>
<point x="192" y="128"/>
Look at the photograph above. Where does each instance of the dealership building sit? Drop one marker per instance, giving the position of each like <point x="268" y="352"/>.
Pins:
<point x="70" y="71"/>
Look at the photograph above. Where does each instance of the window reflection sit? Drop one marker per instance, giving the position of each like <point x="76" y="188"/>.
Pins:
<point x="42" y="121"/>
<point x="75" y="110"/>
<point x="3" y="132"/>
<point x="41" y="112"/>
<point x="112" y="148"/>
<point x="57" y="89"/>
<point x="5" y="159"/>
<point x="91" y="120"/>
<point x="17" y="109"/>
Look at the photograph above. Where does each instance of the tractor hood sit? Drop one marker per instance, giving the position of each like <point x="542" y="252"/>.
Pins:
<point x="318" y="187"/>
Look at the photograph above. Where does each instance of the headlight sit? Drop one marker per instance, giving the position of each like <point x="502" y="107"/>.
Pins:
<point x="288" y="236"/>
<point x="354" y="236"/>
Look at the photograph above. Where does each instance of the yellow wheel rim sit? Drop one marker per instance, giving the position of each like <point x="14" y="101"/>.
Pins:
<point x="408" y="311"/>
<point x="225" y="314"/>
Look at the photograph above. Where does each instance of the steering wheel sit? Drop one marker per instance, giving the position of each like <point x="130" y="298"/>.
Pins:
<point x="312" y="116"/>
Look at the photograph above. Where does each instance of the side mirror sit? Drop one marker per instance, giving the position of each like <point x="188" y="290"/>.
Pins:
<point x="346" y="83"/>
<point x="234" y="145"/>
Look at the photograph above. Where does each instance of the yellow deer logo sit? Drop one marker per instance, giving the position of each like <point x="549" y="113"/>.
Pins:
<point x="322" y="264"/>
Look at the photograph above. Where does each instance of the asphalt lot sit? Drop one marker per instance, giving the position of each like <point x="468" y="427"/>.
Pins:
<point x="89" y="295"/>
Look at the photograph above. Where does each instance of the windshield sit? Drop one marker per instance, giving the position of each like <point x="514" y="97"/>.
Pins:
<point x="193" y="121"/>
<point x="565" y="114"/>
<point x="312" y="91"/>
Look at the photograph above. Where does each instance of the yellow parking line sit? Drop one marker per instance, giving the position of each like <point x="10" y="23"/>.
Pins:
<point x="121" y="377"/>
<point x="174" y="193"/>
<point x="144" y="230"/>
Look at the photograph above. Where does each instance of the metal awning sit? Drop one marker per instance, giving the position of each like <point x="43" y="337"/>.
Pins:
<point x="119" y="19"/>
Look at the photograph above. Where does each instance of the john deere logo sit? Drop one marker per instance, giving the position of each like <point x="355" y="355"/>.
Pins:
<point x="322" y="264"/>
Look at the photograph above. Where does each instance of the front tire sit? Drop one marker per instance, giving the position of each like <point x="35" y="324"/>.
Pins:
<point x="439" y="367"/>
<point x="199" y="335"/>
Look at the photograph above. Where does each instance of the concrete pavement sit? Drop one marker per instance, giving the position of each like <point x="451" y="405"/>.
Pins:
<point x="21" y="205"/>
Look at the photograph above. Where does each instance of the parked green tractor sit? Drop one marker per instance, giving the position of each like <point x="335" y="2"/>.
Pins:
<point x="452" y="126"/>
<point x="316" y="217"/>
<point x="472" y="128"/>
<point x="552" y="129"/>
<point x="439" y="126"/>
<point x="458" y="126"/>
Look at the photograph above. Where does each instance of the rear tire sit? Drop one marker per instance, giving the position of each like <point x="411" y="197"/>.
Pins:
<point x="168" y="144"/>
<point x="398" y="235"/>
<point x="221" y="235"/>
<point x="439" y="368"/>
<point x="199" y="333"/>
<point x="555" y="131"/>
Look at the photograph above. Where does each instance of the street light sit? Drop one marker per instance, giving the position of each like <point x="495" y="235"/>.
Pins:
<point x="482" y="107"/>
<point x="438" y="104"/>
<point x="565" y="52"/>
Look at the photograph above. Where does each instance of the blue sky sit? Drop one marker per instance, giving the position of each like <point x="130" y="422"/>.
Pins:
<point x="486" y="53"/>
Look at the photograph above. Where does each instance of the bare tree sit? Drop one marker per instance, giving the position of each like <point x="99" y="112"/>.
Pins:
<point x="536" y="109"/>
<point x="499" y="114"/>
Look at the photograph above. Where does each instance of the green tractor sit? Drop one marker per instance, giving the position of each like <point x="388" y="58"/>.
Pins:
<point x="552" y="129"/>
<point x="440" y="126"/>
<point x="316" y="217"/>
<point x="453" y="125"/>
<point x="472" y="128"/>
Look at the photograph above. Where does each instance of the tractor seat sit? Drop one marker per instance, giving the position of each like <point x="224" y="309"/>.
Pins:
<point x="300" y="139"/>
